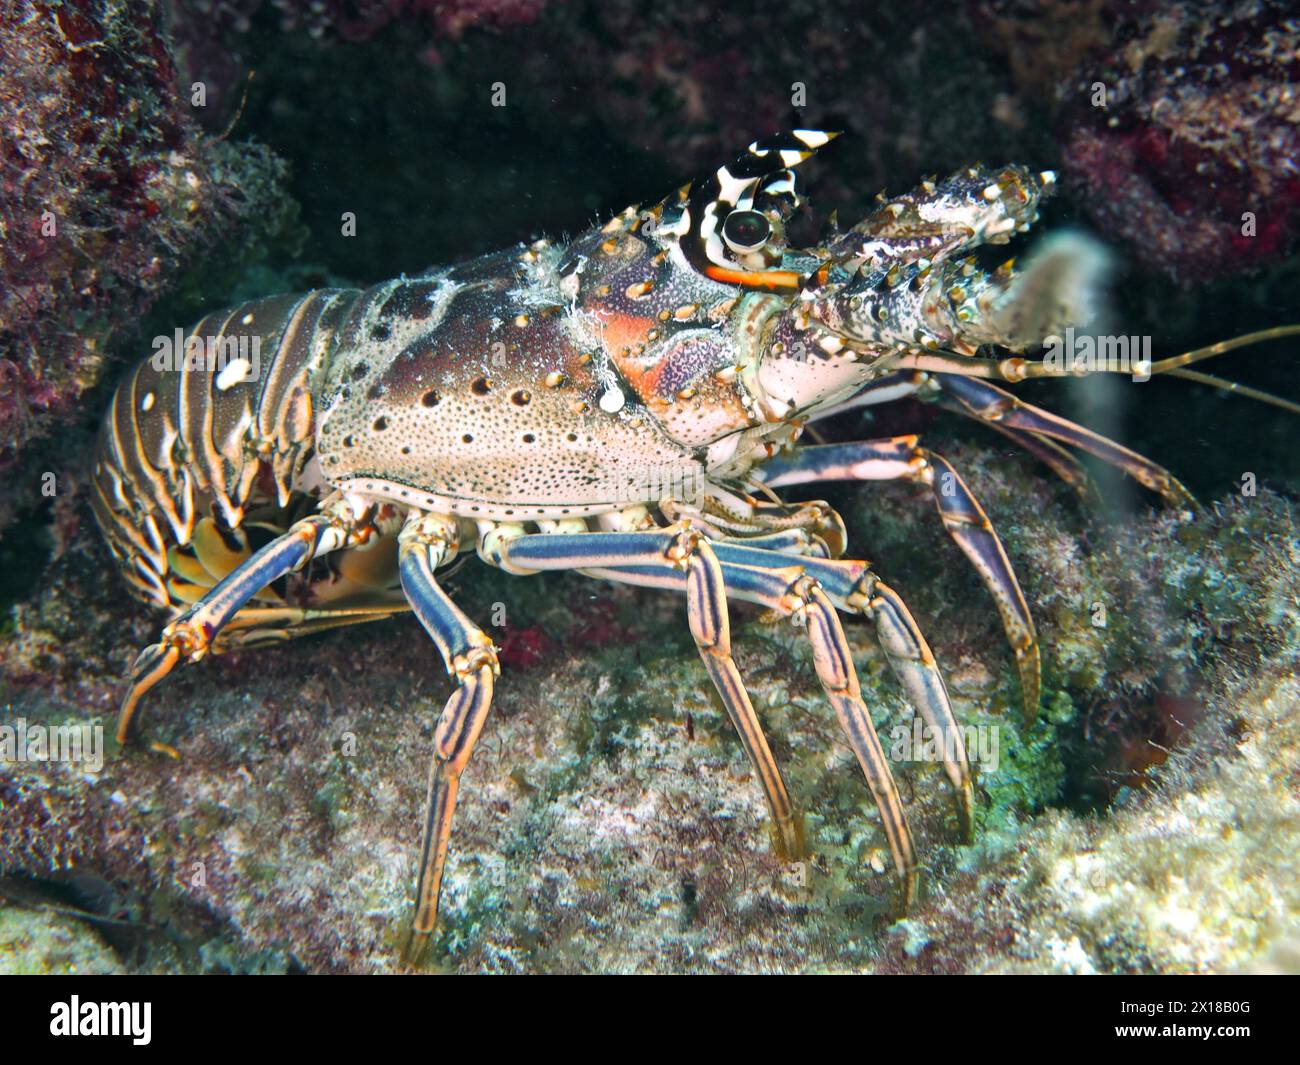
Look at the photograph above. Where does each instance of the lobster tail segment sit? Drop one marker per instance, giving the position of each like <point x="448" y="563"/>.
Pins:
<point x="193" y="429"/>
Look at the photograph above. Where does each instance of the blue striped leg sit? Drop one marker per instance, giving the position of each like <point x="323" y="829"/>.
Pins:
<point x="684" y="554"/>
<point x="190" y="636"/>
<point x="905" y="383"/>
<point x="644" y="558"/>
<point x="964" y="519"/>
<point x="851" y="586"/>
<point x="787" y="542"/>
<point x="988" y="403"/>
<point x="1057" y="458"/>
<point x="887" y="389"/>
<point x="802" y="597"/>
<point x="791" y="592"/>
<point x="425" y="543"/>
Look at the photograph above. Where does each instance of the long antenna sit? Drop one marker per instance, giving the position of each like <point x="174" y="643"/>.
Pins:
<point x="1237" y="388"/>
<point x="1223" y="346"/>
<point x="242" y="101"/>
<point x="1021" y="369"/>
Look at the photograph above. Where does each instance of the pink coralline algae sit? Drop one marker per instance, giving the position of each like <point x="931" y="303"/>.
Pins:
<point x="1182" y="138"/>
<point x="107" y="189"/>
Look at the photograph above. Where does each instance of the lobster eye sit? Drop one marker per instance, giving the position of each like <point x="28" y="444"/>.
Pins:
<point x="746" y="231"/>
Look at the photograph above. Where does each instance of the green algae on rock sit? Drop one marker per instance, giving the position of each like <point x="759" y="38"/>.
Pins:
<point x="42" y="942"/>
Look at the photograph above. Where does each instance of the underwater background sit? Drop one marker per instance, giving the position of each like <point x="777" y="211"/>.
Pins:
<point x="1149" y="821"/>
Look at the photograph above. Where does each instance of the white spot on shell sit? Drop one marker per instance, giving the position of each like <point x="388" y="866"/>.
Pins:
<point x="233" y="373"/>
<point x="147" y="403"/>
<point x="611" y="402"/>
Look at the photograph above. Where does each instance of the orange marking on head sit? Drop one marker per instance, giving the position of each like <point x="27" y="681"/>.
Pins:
<point x="771" y="280"/>
<point x="624" y="330"/>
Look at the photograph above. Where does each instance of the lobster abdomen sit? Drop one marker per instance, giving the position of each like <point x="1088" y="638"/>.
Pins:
<point x="218" y="419"/>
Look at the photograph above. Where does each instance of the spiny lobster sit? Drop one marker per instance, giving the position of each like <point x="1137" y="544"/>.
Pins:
<point x="623" y="405"/>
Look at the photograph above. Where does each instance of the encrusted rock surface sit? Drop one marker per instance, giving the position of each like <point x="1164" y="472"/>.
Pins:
<point x="109" y="194"/>
<point x="42" y="942"/>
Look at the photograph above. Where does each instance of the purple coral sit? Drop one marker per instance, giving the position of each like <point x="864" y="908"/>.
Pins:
<point x="1192" y="160"/>
<point x="107" y="187"/>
